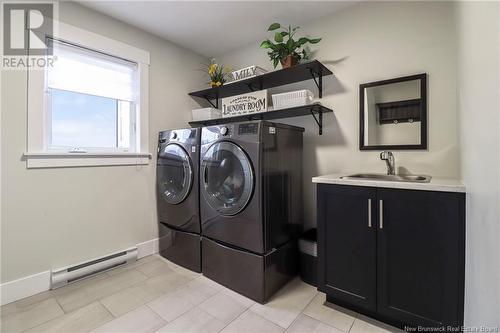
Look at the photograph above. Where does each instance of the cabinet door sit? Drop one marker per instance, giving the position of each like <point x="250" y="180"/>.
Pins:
<point x="346" y="244"/>
<point x="421" y="256"/>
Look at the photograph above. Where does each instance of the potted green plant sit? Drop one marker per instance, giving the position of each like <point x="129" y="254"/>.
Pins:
<point x="287" y="50"/>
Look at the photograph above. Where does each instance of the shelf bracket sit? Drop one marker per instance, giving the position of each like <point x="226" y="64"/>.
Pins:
<point x="216" y="105"/>
<point x="318" y="81"/>
<point x="319" y="120"/>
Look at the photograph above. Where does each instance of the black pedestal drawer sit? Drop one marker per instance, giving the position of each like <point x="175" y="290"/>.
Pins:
<point x="255" y="276"/>
<point x="182" y="248"/>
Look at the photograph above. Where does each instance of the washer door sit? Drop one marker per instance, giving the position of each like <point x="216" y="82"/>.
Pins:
<point x="174" y="174"/>
<point x="227" y="178"/>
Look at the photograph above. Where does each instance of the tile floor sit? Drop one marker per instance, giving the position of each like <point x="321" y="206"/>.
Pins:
<point x="155" y="295"/>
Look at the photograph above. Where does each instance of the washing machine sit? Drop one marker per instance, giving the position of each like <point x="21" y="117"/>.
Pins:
<point x="251" y="205"/>
<point x="178" y="197"/>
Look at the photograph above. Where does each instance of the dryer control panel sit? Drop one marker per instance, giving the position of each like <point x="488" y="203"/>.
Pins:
<point x="251" y="128"/>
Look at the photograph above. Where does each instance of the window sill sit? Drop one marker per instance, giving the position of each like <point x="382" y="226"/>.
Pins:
<point x="64" y="160"/>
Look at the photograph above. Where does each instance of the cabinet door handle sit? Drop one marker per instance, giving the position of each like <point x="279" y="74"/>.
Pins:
<point x="381" y="214"/>
<point x="369" y="213"/>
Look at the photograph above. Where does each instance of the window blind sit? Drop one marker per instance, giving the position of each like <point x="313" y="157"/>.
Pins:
<point x="90" y="72"/>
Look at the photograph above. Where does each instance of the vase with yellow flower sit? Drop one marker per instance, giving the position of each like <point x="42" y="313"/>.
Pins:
<point x="218" y="74"/>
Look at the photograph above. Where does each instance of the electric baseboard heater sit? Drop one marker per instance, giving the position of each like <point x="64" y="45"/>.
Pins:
<point x="62" y="276"/>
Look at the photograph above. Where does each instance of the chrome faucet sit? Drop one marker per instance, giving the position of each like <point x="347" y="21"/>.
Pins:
<point x="388" y="157"/>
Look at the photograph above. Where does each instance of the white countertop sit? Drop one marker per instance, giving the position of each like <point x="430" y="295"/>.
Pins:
<point x="436" y="184"/>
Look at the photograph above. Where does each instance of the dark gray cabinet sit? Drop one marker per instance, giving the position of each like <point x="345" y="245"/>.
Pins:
<point x="346" y="245"/>
<point x="395" y="255"/>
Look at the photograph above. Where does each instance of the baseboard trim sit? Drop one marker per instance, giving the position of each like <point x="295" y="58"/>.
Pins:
<point x="24" y="287"/>
<point x="148" y="248"/>
<point x="37" y="283"/>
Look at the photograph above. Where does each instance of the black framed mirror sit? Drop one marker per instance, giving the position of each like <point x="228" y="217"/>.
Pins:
<point x="393" y="114"/>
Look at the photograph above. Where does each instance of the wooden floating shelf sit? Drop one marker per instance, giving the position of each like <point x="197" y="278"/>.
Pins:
<point x="316" y="110"/>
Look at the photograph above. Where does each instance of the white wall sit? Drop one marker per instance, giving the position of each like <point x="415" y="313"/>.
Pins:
<point x="478" y="30"/>
<point x="56" y="217"/>
<point x="368" y="42"/>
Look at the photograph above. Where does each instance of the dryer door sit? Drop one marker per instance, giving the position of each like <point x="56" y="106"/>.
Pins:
<point x="174" y="174"/>
<point x="227" y="178"/>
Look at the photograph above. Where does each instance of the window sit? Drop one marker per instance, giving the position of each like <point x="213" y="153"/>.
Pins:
<point x="91" y="106"/>
<point x="90" y="101"/>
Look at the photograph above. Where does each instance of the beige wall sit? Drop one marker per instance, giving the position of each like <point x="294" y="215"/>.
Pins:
<point x="478" y="30"/>
<point x="56" y="217"/>
<point x="368" y="42"/>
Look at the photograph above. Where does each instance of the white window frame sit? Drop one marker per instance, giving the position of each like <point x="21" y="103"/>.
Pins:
<point x="38" y="154"/>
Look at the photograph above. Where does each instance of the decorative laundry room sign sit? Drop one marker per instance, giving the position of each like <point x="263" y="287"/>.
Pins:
<point x="244" y="104"/>
<point x="246" y="73"/>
